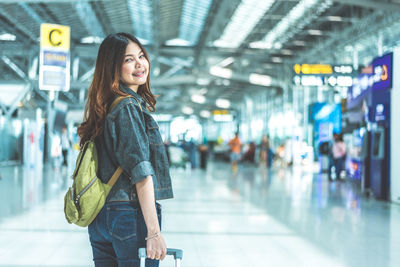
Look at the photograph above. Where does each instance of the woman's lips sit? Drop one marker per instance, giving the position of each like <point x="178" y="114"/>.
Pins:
<point x="139" y="74"/>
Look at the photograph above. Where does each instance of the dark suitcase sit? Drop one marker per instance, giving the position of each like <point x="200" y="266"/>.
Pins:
<point x="177" y="253"/>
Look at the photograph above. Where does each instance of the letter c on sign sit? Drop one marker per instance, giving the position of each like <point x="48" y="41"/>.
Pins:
<point x="52" y="37"/>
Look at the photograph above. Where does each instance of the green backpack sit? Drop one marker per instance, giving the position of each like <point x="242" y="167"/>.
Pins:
<point x="88" y="193"/>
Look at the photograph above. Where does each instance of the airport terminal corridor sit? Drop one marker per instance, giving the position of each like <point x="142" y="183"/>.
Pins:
<point x="251" y="217"/>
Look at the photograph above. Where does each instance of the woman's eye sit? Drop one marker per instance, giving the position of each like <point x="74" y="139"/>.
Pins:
<point x="128" y="59"/>
<point x="141" y="56"/>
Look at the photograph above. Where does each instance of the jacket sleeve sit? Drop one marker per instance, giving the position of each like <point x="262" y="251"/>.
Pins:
<point x="130" y="142"/>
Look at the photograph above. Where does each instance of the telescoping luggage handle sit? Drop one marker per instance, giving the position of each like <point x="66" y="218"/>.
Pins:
<point x="177" y="253"/>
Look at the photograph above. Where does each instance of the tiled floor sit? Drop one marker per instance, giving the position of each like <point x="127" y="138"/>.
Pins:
<point x="286" y="217"/>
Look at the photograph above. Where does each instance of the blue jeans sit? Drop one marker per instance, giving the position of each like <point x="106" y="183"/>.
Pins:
<point x="117" y="233"/>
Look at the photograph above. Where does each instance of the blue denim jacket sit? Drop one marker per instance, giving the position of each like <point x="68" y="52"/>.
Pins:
<point x="132" y="140"/>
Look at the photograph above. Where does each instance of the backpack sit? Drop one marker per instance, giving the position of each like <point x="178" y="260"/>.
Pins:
<point x="87" y="195"/>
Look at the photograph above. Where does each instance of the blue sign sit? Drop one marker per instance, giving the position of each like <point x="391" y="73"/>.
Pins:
<point x="382" y="67"/>
<point x="55" y="58"/>
<point x="380" y="79"/>
<point x="380" y="112"/>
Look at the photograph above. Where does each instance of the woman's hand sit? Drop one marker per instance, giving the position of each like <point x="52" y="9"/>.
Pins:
<point x="156" y="248"/>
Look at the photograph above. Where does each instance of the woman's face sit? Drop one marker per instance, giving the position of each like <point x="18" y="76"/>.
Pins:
<point x="135" y="67"/>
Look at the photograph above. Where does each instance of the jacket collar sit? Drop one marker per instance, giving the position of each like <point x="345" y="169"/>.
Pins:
<point x="126" y="89"/>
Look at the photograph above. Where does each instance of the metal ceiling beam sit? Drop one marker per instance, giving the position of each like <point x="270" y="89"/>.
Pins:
<point x="88" y="17"/>
<point x="381" y="5"/>
<point x="18" y="25"/>
<point x="14" y="67"/>
<point x="351" y="35"/>
<point x="47" y="1"/>
<point x="156" y="36"/>
<point x="218" y="17"/>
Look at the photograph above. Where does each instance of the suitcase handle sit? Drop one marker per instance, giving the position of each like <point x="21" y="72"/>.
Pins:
<point x="177" y="253"/>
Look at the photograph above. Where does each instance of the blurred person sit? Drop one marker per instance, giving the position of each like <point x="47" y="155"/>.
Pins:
<point x="280" y="154"/>
<point x="339" y="155"/>
<point x="128" y="136"/>
<point x="203" y="150"/>
<point x="235" y="146"/>
<point x="249" y="155"/>
<point x="264" y="148"/>
<point x="56" y="151"/>
<point x="65" y="145"/>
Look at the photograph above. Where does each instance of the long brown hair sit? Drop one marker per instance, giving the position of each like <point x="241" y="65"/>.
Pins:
<point x="106" y="84"/>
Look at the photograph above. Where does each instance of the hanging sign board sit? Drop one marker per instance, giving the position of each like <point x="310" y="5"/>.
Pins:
<point x="54" y="73"/>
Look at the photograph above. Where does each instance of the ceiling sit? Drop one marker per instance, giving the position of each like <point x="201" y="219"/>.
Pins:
<point x="208" y="47"/>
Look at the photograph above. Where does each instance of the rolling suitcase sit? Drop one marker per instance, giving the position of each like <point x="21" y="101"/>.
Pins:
<point x="177" y="253"/>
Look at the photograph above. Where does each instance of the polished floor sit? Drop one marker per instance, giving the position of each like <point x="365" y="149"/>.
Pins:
<point x="220" y="218"/>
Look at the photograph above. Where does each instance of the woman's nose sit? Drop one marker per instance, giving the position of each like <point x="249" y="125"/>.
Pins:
<point x="138" y="64"/>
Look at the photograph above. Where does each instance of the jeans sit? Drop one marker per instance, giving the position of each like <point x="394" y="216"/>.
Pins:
<point x="117" y="233"/>
<point x="339" y="164"/>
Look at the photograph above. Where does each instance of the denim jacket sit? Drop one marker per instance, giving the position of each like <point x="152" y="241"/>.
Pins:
<point x="132" y="140"/>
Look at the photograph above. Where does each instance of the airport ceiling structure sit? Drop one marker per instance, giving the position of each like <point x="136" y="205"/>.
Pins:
<point x="209" y="48"/>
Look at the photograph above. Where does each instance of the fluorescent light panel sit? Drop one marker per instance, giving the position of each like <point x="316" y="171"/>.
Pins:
<point x="205" y="114"/>
<point x="246" y="16"/>
<point x="223" y="103"/>
<point x="141" y="16"/>
<point x="194" y="13"/>
<point x="187" y="110"/>
<point x="7" y="37"/>
<point x="199" y="99"/>
<point x="289" y="20"/>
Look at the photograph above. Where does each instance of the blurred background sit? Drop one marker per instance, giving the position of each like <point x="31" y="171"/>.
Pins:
<point x="310" y="87"/>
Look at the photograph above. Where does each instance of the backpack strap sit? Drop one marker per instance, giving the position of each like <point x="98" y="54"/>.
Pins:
<point x="118" y="99"/>
<point x="119" y="170"/>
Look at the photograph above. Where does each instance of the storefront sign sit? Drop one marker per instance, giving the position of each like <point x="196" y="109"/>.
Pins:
<point x="380" y="78"/>
<point x="382" y="67"/>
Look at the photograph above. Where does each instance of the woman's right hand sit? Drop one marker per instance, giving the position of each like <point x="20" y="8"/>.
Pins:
<point x="156" y="248"/>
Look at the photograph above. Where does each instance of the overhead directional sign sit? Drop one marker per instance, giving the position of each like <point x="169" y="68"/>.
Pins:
<point x="54" y="71"/>
<point x="323" y="74"/>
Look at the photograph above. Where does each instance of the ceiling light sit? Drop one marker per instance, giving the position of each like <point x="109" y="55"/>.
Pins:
<point x="226" y="82"/>
<point x="223" y="103"/>
<point x="199" y="99"/>
<point x="259" y="79"/>
<point x="7" y="37"/>
<point x="260" y="45"/>
<point x="187" y="110"/>
<point x="286" y="52"/>
<point x="203" y="81"/>
<point x="242" y="22"/>
<point x="205" y="114"/>
<point x="276" y="60"/>
<point x="91" y="40"/>
<point x="277" y="45"/>
<point x="227" y="61"/>
<point x="334" y="18"/>
<point x="221" y="72"/>
<point x="177" y="42"/>
<point x="315" y="32"/>
<point x="299" y="43"/>
<point x="203" y="91"/>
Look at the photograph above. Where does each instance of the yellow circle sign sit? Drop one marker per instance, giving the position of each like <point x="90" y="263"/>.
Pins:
<point x="54" y="36"/>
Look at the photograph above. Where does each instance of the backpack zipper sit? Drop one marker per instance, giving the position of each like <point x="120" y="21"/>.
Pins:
<point x="84" y="190"/>
<point x="81" y="159"/>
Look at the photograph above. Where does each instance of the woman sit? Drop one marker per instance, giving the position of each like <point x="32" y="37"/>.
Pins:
<point x="339" y="155"/>
<point x="126" y="136"/>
